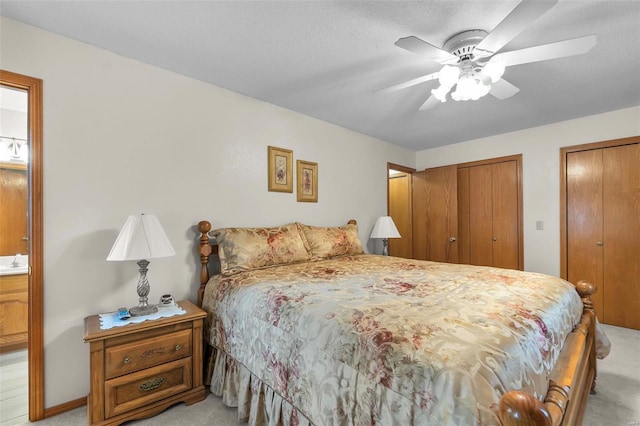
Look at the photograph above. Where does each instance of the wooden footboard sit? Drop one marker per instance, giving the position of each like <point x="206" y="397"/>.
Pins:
<point x="570" y="382"/>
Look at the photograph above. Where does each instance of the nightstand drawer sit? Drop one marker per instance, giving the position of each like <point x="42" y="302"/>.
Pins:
<point x="138" y="389"/>
<point x="136" y="356"/>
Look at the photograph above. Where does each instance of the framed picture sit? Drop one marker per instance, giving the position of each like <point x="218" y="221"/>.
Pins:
<point x="307" y="175"/>
<point x="280" y="169"/>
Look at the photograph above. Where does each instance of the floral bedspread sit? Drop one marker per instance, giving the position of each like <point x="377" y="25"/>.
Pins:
<point x="364" y="340"/>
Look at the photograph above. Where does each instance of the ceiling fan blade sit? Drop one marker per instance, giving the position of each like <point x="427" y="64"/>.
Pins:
<point x="520" y="18"/>
<point x="415" y="81"/>
<point x="502" y="89"/>
<point x="560" y="49"/>
<point x="424" y="49"/>
<point x="429" y="103"/>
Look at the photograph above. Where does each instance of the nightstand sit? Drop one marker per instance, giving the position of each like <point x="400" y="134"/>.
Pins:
<point x="139" y="370"/>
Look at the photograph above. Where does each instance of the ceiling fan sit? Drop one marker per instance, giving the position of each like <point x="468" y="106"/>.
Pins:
<point x="471" y="60"/>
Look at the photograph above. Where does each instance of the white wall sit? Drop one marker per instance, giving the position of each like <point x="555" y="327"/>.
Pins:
<point x="540" y="149"/>
<point x="123" y="137"/>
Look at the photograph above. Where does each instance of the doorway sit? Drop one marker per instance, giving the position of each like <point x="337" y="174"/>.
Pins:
<point x="399" y="208"/>
<point x="29" y="146"/>
<point x="14" y="254"/>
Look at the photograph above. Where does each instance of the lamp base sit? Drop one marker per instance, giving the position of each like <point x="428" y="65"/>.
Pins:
<point x="143" y="288"/>
<point x="385" y="247"/>
<point x="138" y="311"/>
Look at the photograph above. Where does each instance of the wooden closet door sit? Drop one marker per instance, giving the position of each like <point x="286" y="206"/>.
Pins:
<point x="435" y="214"/>
<point x="489" y="214"/>
<point x="480" y="216"/>
<point x="585" y="221"/>
<point x="464" y="250"/>
<point x="504" y="196"/>
<point x="419" y="210"/>
<point x="621" y="206"/>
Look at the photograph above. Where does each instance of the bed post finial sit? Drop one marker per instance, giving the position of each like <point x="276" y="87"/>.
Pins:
<point x="205" y="250"/>
<point x="587" y="326"/>
<point x="518" y="408"/>
<point x="586" y="289"/>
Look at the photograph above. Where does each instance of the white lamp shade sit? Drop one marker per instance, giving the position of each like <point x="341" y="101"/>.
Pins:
<point x="141" y="237"/>
<point x="385" y="228"/>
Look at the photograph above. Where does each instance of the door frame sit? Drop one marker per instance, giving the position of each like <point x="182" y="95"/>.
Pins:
<point x="33" y="86"/>
<point x="564" y="151"/>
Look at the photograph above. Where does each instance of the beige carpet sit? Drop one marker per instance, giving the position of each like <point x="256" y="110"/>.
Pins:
<point x="617" y="402"/>
<point x="617" y="398"/>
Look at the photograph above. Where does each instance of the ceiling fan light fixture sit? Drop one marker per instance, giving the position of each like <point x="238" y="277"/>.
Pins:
<point x="449" y="76"/>
<point x="441" y="93"/>
<point x="470" y="87"/>
<point x="471" y="60"/>
<point x="495" y="68"/>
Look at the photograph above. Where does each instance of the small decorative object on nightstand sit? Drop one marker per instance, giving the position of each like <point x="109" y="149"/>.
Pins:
<point x="385" y="229"/>
<point x="166" y="300"/>
<point x="139" y="370"/>
<point x="142" y="238"/>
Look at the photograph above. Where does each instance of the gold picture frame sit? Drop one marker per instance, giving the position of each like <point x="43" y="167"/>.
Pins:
<point x="280" y="165"/>
<point x="307" y="177"/>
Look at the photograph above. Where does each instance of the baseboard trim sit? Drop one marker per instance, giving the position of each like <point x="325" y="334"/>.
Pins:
<point x="63" y="408"/>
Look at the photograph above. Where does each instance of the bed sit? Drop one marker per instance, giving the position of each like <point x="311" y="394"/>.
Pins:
<point x="303" y="328"/>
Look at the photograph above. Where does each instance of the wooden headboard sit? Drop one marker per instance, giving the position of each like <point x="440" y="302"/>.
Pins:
<point x="207" y="249"/>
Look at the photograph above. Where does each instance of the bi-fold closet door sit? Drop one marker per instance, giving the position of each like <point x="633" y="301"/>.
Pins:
<point x="603" y="226"/>
<point x="470" y="213"/>
<point x="489" y="211"/>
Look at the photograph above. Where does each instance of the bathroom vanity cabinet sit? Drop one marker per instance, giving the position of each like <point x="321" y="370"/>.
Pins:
<point x="14" y="312"/>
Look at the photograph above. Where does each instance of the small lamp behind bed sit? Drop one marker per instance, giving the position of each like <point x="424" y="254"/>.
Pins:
<point x="385" y="229"/>
<point x="141" y="238"/>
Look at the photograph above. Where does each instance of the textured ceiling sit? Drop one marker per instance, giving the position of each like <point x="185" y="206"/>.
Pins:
<point x="325" y="59"/>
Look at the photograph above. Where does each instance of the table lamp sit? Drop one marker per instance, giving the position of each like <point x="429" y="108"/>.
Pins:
<point x="142" y="238"/>
<point x="385" y="229"/>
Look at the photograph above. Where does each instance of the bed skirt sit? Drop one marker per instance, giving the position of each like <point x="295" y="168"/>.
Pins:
<point x="257" y="403"/>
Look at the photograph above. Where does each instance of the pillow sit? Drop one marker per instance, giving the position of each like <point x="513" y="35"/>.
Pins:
<point x="245" y="249"/>
<point x="324" y="243"/>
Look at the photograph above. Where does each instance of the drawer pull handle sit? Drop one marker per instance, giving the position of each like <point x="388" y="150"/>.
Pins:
<point x="126" y="360"/>
<point x="178" y="347"/>
<point x="151" y="384"/>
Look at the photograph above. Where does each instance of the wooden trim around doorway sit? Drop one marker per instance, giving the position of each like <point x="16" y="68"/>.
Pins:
<point x="398" y="167"/>
<point x="36" y="255"/>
